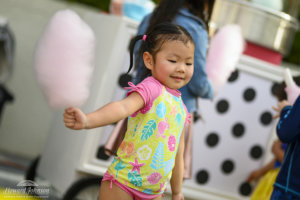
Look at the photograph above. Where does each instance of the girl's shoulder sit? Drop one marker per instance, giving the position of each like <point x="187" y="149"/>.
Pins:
<point x="151" y="82"/>
<point x="154" y="86"/>
<point x="149" y="89"/>
<point x="157" y="87"/>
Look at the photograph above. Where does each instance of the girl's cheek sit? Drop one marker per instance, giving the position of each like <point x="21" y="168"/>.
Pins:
<point x="191" y="72"/>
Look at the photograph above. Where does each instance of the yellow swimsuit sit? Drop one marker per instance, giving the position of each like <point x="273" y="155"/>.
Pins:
<point x="146" y="156"/>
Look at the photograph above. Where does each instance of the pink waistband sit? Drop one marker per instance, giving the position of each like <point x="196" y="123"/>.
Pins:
<point x="135" y="194"/>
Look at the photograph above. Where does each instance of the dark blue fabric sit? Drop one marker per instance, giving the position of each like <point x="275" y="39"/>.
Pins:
<point x="288" y="131"/>
<point x="199" y="86"/>
<point x="281" y="195"/>
<point x="277" y="163"/>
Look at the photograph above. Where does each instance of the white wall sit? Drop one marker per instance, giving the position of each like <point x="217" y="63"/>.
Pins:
<point x="26" y="121"/>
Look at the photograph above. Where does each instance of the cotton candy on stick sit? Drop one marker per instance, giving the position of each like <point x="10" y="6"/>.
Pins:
<point x="225" y="49"/>
<point x="64" y="60"/>
<point x="292" y="90"/>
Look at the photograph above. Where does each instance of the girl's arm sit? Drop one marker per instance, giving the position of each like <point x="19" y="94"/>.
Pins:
<point x="75" y="119"/>
<point x="256" y="174"/>
<point x="199" y="85"/>
<point x="278" y="151"/>
<point x="177" y="172"/>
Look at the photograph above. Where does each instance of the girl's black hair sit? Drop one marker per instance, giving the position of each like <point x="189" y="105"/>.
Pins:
<point x="280" y="93"/>
<point x="155" y="38"/>
<point x="168" y="9"/>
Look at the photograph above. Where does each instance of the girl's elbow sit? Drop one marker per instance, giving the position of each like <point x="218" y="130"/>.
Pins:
<point x="210" y="94"/>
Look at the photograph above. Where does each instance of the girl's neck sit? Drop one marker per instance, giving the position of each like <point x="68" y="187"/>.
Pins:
<point x="174" y="92"/>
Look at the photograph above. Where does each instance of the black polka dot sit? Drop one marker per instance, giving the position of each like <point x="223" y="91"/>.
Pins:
<point x="202" y="177"/>
<point x="249" y="94"/>
<point x="245" y="189"/>
<point x="234" y="76"/>
<point x="227" y="166"/>
<point x="256" y="152"/>
<point x="222" y="106"/>
<point x="101" y="153"/>
<point x="266" y="118"/>
<point x="124" y="79"/>
<point x="238" y="130"/>
<point x="212" y="139"/>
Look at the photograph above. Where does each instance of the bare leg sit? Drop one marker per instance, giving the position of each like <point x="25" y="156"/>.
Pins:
<point x="115" y="193"/>
<point x="158" y="198"/>
<point x="188" y="150"/>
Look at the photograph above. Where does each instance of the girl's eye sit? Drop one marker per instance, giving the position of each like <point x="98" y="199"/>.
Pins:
<point x="189" y="64"/>
<point x="172" y="61"/>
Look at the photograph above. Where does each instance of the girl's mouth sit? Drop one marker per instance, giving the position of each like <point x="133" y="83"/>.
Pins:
<point x="177" y="78"/>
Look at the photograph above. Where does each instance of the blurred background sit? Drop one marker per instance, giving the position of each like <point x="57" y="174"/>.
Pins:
<point x="286" y="6"/>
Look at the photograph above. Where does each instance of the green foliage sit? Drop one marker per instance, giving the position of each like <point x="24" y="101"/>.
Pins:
<point x="294" y="55"/>
<point x="148" y="130"/>
<point x="119" y="166"/>
<point x="99" y="4"/>
<point x="158" y="157"/>
<point x="135" y="179"/>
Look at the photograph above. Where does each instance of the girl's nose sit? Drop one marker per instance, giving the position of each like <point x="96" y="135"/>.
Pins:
<point x="181" y="67"/>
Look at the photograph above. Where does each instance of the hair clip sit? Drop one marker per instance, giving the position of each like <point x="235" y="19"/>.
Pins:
<point x="144" y="37"/>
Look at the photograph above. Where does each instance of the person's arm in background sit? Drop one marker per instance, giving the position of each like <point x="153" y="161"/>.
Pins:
<point x="200" y="85"/>
<point x="278" y="153"/>
<point x="256" y="174"/>
<point x="288" y="127"/>
<point x="140" y="63"/>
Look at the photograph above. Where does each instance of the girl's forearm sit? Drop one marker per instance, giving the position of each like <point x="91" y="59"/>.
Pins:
<point x="108" y="114"/>
<point x="269" y="166"/>
<point x="177" y="178"/>
<point x="115" y="111"/>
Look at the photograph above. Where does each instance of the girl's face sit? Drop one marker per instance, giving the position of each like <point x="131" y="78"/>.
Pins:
<point x="173" y="65"/>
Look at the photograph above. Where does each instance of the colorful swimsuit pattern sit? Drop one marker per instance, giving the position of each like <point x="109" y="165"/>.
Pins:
<point x="147" y="154"/>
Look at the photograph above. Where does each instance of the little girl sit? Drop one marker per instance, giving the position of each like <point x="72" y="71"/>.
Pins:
<point x="151" y="153"/>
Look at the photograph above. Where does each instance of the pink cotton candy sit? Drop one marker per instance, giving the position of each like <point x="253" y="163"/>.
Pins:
<point x="225" y="49"/>
<point x="64" y="60"/>
<point x="292" y="90"/>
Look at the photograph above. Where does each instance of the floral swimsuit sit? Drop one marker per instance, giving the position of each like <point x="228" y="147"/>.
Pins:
<point x="147" y="154"/>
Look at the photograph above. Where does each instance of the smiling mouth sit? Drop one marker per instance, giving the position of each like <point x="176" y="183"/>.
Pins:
<point x="177" y="78"/>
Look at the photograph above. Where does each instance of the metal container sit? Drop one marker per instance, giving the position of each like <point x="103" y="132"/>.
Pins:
<point x="266" y="27"/>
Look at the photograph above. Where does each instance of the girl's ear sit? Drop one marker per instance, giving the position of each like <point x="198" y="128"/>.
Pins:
<point x="148" y="60"/>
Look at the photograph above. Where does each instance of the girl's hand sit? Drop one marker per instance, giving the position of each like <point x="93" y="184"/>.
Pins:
<point x="178" y="196"/>
<point x="256" y="174"/>
<point x="280" y="106"/>
<point x="75" y="119"/>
